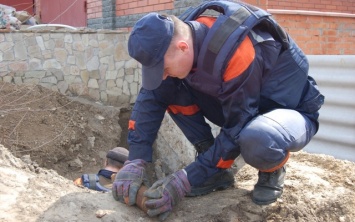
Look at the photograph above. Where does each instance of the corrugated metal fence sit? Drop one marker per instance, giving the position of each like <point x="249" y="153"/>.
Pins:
<point x="335" y="76"/>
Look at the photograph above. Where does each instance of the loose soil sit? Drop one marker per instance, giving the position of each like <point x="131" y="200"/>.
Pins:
<point x="48" y="139"/>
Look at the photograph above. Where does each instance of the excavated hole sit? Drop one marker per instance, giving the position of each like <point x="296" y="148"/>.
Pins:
<point x="70" y="135"/>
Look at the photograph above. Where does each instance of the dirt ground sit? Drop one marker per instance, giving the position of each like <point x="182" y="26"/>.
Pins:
<point x="47" y="140"/>
<point x="66" y="134"/>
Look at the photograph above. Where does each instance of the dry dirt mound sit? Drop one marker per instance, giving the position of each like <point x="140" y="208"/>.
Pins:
<point x="67" y="134"/>
<point x="55" y="137"/>
<point x="318" y="188"/>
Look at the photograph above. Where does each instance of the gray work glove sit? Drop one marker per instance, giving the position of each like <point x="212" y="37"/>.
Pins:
<point x="166" y="193"/>
<point x="128" y="181"/>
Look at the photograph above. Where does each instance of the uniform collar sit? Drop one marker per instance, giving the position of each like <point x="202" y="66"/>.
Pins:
<point x="106" y="173"/>
<point x="199" y="32"/>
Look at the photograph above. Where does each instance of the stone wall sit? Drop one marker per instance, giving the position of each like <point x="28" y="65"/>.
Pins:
<point x="173" y="151"/>
<point x="92" y="64"/>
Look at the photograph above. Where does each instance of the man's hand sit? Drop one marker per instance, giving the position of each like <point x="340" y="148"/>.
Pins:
<point x="128" y="181"/>
<point x="166" y="193"/>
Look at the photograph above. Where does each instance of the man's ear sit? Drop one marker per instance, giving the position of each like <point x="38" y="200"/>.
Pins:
<point x="183" y="46"/>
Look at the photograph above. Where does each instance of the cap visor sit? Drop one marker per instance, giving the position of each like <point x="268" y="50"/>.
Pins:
<point x="152" y="76"/>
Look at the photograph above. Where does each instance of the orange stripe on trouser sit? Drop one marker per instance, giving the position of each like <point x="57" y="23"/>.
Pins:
<point x="185" y="110"/>
<point x="225" y="164"/>
<point x="278" y="166"/>
<point x="131" y="124"/>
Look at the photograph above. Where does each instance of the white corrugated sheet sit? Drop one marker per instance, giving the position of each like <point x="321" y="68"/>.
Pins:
<point x="335" y="75"/>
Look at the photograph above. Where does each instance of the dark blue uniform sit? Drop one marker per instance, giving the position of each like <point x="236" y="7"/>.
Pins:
<point x="264" y="102"/>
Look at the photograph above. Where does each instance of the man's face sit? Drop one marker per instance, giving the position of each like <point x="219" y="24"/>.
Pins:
<point x="178" y="60"/>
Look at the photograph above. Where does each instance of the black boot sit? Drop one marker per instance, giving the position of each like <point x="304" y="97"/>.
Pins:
<point x="219" y="181"/>
<point x="269" y="186"/>
<point x="203" y="145"/>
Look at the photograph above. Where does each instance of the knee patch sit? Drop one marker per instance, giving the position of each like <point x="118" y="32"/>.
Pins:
<point x="262" y="143"/>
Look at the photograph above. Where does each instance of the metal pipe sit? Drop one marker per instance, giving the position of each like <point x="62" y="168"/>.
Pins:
<point x="52" y="25"/>
<point x="141" y="199"/>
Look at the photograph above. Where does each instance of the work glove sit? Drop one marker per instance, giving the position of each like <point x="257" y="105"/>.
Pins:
<point x="166" y="193"/>
<point x="128" y="181"/>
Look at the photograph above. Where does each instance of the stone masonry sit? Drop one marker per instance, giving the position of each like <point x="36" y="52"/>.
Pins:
<point x="92" y="64"/>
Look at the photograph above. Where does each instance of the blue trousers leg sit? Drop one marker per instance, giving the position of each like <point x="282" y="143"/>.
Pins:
<point x="266" y="140"/>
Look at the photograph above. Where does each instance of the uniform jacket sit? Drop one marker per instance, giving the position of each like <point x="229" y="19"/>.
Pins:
<point x="257" y="76"/>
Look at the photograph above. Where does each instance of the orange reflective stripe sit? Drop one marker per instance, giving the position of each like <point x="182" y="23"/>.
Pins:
<point x="206" y="20"/>
<point x="278" y="166"/>
<point x="241" y="60"/>
<point x="131" y="124"/>
<point x="225" y="164"/>
<point x="185" y="110"/>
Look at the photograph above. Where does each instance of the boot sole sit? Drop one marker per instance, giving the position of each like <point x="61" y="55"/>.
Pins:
<point x="210" y="189"/>
<point x="263" y="202"/>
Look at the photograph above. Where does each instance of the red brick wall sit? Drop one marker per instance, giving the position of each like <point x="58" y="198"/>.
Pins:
<point x="94" y="9"/>
<point x="318" y="35"/>
<point x="129" y="7"/>
<point x="315" y="34"/>
<point x="260" y="3"/>
<point x="343" y="6"/>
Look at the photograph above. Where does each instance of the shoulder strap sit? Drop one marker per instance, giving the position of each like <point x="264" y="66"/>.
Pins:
<point x="92" y="182"/>
<point x="231" y="27"/>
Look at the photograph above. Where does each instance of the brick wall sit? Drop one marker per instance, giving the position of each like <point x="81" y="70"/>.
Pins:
<point x="324" y="33"/>
<point x="320" y="35"/>
<point x="101" y="14"/>
<point x="344" y="6"/>
<point x="94" y="9"/>
<point x="129" y="7"/>
<point x="260" y="3"/>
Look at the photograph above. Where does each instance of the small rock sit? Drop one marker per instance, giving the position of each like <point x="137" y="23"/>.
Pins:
<point x="100" y="213"/>
<point x="99" y="117"/>
<point x="26" y="159"/>
<point x="75" y="163"/>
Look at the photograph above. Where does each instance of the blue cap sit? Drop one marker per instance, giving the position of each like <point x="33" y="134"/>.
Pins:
<point x="148" y="43"/>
